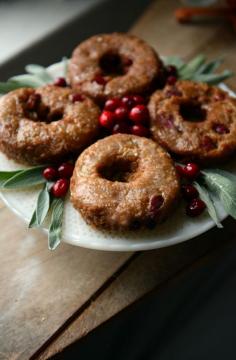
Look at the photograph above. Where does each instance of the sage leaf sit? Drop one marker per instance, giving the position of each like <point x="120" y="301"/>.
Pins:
<point x="192" y="66"/>
<point x="25" y="178"/>
<point x="27" y="80"/>
<point x="55" y="228"/>
<point x="224" y="186"/>
<point x="205" y="196"/>
<point x="6" y="175"/>
<point x="212" y="79"/>
<point x="65" y="63"/>
<point x="40" y="72"/>
<point x="209" y="68"/>
<point x="42" y="207"/>
<point x="10" y="85"/>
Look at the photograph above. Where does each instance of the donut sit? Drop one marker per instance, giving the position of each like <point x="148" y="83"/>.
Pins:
<point x="194" y="121"/>
<point x="124" y="182"/>
<point x="113" y="65"/>
<point x="46" y="124"/>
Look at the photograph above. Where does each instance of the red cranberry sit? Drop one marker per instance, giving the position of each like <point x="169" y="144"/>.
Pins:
<point x="60" y="82"/>
<point x="171" y="80"/>
<point x="127" y="62"/>
<point x="139" y="113"/>
<point x="60" y="188"/>
<point x="220" y="96"/>
<point x="173" y="92"/>
<point x="156" y="202"/>
<point x="128" y="101"/>
<point x="121" y="128"/>
<point x="112" y="104"/>
<point x="77" y="97"/>
<point x="50" y="173"/>
<point x="171" y="70"/>
<point x="65" y="170"/>
<point x="138" y="99"/>
<point x="208" y="144"/>
<point x="107" y="119"/>
<point x="99" y="79"/>
<point x="191" y="170"/>
<point x="33" y="101"/>
<point x="220" y="129"/>
<point x="121" y="113"/>
<point x="195" y="207"/>
<point x="139" y="130"/>
<point x="189" y="192"/>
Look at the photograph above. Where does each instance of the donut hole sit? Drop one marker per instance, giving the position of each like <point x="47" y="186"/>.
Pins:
<point x="192" y="111"/>
<point x="121" y="170"/>
<point x="111" y="64"/>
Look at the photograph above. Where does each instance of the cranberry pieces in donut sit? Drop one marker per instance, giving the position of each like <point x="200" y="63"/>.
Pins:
<point x="194" y="121"/>
<point x="124" y="182"/>
<point x="113" y="65"/>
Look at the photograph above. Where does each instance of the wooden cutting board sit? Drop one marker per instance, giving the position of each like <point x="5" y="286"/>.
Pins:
<point x="50" y="299"/>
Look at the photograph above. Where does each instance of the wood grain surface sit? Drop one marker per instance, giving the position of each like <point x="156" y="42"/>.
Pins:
<point x="50" y="299"/>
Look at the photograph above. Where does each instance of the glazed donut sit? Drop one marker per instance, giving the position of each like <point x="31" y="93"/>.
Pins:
<point x="46" y="124"/>
<point x="124" y="182"/>
<point x="194" y="121"/>
<point x="111" y="65"/>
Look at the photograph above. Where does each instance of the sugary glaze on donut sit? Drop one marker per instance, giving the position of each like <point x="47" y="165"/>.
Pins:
<point x="194" y="121"/>
<point x="45" y="125"/>
<point x="110" y="65"/>
<point x="124" y="182"/>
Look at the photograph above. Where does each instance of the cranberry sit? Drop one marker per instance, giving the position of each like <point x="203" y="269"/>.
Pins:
<point x="191" y="170"/>
<point x="121" y="128"/>
<point x="107" y="119"/>
<point x="33" y="101"/>
<point x="139" y="130"/>
<point x="171" y="70"/>
<point x="121" y="113"/>
<point x="138" y="99"/>
<point x="171" y="80"/>
<point x="220" y="129"/>
<point x="156" y="202"/>
<point x="127" y="62"/>
<point x="166" y="120"/>
<point x="65" y="170"/>
<point x="208" y="143"/>
<point x="99" y="79"/>
<point x="189" y="192"/>
<point x="60" y="188"/>
<point x="112" y="104"/>
<point x="128" y="101"/>
<point x="220" y="96"/>
<point x="195" y="207"/>
<point x="50" y="173"/>
<point x="77" y="97"/>
<point x="139" y="113"/>
<point x="61" y="81"/>
<point x="173" y="92"/>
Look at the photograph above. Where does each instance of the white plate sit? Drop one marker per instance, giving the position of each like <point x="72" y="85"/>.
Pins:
<point x="176" y="229"/>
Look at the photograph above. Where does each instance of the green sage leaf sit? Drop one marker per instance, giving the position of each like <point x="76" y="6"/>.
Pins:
<point x="174" y="60"/>
<point x="11" y="85"/>
<point x="6" y="175"/>
<point x="205" y="196"/>
<point x="224" y="186"/>
<point x="27" y="80"/>
<point x="212" y="79"/>
<point x="42" y="207"/>
<point x="210" y="67"/>
<point x="25" y="178"/>
<point x="40" y="72"/>
<point x="192" y="67"/>
<point x="55" y="228"/>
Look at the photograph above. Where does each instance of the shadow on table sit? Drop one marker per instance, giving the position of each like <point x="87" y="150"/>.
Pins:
<point x="192" y="317"/>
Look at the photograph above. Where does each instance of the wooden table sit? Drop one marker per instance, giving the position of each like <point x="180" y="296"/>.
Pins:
<point x="50" y="299"/>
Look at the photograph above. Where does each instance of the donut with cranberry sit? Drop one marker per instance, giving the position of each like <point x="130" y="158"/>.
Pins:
<point x="46" y="124"/>
<point x="111" y="65"/>
<point x="194" y="121"/>
<point x="124" y="182"/>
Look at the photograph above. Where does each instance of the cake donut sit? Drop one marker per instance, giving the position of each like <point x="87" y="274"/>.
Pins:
<point x="46" y="124"/>
<point x="111" y="65"/>
<point x="194" y="121"/>
<point x="124" y="182"/>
